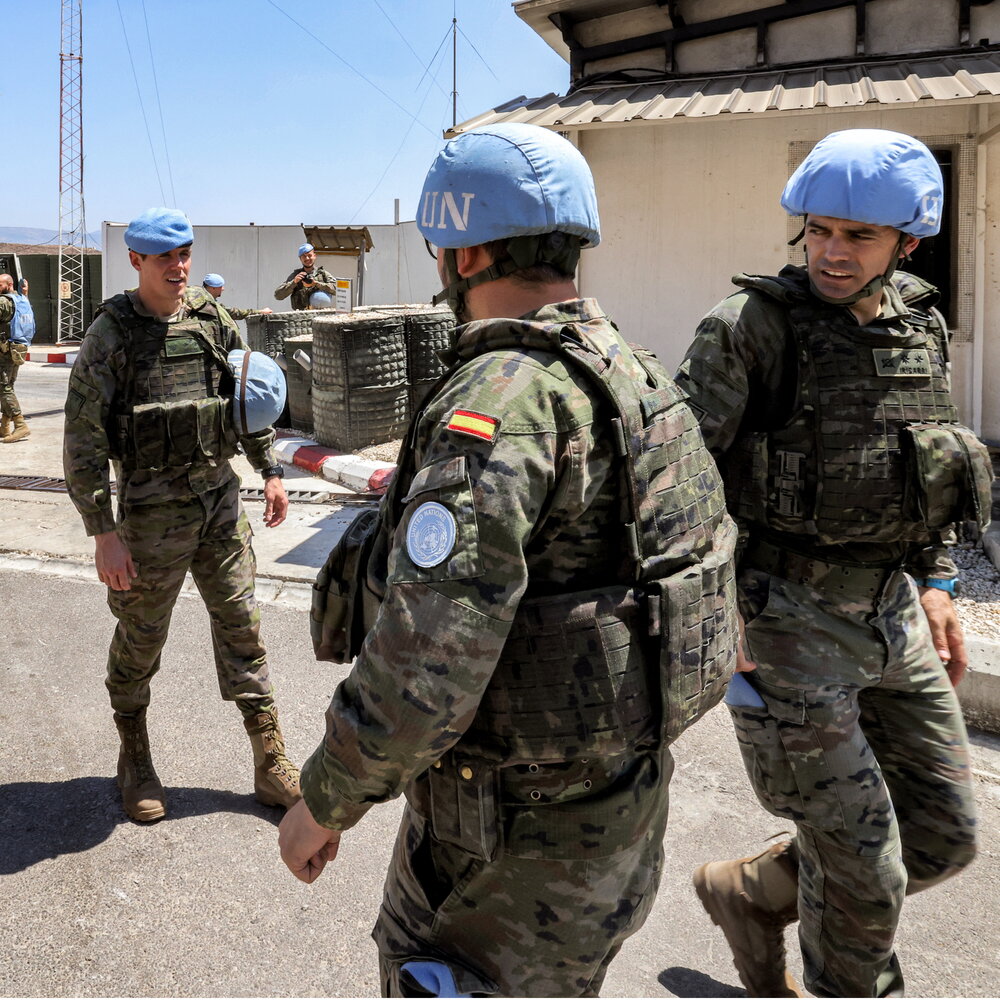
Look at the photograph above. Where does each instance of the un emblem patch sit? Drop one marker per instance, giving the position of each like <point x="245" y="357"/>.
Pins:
<point x="430" y="535"/>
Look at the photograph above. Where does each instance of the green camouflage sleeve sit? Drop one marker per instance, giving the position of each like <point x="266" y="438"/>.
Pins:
<point x="6" y="309"/>
<point x="323" y="281"/>
<point x="417" y="683"/>
<point x="237" y="313"/>
<point x="286" y="287"/>
<point x="93" y="387"/>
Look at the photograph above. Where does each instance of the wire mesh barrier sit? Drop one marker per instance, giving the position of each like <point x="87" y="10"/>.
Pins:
<point x="300" y="408"/>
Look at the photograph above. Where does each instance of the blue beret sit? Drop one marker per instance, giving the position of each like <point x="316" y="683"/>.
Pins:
<point x="159" y="230"/>
<point x="213" y="280"/>
<point x="305" y="248"/>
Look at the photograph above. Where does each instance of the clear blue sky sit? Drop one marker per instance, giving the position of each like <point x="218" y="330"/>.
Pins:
<point x="252" y="117"/>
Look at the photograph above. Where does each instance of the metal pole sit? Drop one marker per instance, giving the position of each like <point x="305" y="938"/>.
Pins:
<point x="454" y="71"/>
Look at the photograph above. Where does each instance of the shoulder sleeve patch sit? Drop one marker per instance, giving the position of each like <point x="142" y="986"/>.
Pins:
<point x="477" y="424"/>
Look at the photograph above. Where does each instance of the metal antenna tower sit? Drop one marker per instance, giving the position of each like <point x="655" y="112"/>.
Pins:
<point x="72" y="224"/>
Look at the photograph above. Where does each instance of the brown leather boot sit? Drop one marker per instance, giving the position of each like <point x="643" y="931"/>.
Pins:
<point x="4" y="426"/>
<point x="753" y="900"/>
<point x="275" y="777"/>
<point x="142" y="793"/>
<point x="20" y="431"/>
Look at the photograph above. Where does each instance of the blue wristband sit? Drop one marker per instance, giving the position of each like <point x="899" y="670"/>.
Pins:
<point x="948" y="586"/>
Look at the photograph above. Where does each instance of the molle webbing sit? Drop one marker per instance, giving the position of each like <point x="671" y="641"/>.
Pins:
<point x="571" y="682"/>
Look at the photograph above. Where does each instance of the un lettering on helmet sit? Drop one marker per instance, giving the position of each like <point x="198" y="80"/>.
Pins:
<point x="502" y="181"/>
<point x="876" y="176"/>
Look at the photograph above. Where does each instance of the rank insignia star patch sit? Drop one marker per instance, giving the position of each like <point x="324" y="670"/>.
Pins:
<point x="477" y="424"/>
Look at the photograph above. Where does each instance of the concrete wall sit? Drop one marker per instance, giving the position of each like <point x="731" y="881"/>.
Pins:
<point x="686" y="204"/>
<point x="254" y="260"/>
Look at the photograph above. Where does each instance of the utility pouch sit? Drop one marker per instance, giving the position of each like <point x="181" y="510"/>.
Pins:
<point x="694" y="614"/>
<point x="336" y="618"/>
<point x="146" y="433"/>
<point x="458" y="796"/>
<point x="949" y="475"/>
<point x="18" y="353"/>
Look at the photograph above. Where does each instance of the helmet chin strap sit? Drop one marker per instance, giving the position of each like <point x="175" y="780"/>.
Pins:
<point x="875" y="285"/>
<point x="454" y="291"/>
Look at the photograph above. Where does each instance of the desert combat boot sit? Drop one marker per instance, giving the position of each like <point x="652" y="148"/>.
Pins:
<point x="275" y="777"/>
<point x="20" y="431"/>
<point x="753" y="900"/>
<point x="142" y="793"/>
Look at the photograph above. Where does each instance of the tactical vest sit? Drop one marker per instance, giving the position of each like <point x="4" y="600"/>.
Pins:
<point x="872" y="450"/>
<point x="177" y="406"/>
<point x="618" y="666"/>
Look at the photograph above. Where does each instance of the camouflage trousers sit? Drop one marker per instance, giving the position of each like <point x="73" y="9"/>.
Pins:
<point x="546" y="920"/>
<point x="210" y="536"/>
<point x="11" y="356"/>
<point x="863" y="746"/>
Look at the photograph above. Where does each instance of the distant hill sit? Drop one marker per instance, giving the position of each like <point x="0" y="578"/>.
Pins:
<point x="39" y="237"/>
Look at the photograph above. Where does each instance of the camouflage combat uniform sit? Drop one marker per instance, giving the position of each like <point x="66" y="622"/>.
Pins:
<point x="173" y="516"/>
<point x="323" y="281"/>
<point x="507" y="688"/>
<point x="11" y="356"/>
<point x="861" y="741"/>
<point x="239" y="313"/>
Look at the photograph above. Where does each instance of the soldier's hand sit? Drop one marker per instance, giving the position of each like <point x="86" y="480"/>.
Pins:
<point x="306" y="846"/>
<point x="743" y="663"/>
<point x="946" y="631"/>
<point x="275" y="502"/>
<point x="113" y="561"/>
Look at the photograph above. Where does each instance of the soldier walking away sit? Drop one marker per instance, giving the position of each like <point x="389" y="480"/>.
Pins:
<point x="17" y="329"/>
<point x="305" y="280"/>
<point x="824" y="394"/>
<point x="518" y="685"/>
<point x="152" y="390"/>
<point x="215" y="285"/>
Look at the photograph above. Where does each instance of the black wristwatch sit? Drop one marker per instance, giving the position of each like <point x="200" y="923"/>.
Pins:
<point x="274" y="470"/>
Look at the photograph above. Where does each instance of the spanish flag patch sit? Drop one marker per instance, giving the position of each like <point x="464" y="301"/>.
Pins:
<point x="477" y="424"/>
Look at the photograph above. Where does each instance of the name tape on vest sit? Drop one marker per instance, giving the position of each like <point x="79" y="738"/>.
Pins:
<point x="896" y="362"/>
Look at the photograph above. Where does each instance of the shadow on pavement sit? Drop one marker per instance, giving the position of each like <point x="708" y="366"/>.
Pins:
<point x="40" y="820"/>
<point x="689" y="983"/>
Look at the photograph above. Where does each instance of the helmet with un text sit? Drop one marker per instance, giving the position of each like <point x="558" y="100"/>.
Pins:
<point x="260" y="390"/>
<point x="510" y="182"/>
<point x="873" y="176"/>
<point x="870" y="175"/>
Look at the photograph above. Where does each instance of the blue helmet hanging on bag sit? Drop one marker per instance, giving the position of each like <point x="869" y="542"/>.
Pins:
<point x="874" y="176"/>
<point x="260" y="390"/>
<point x="508" y="182"/>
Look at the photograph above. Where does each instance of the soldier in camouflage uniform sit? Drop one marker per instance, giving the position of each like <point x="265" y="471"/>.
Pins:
<point x="823" y="392"/>
<point x="511" y="685"/>
<point x="215" y="285"/>
<point x="305" y="280"/>
<point x="148" y="392"/>
<point x="13" y="426"/>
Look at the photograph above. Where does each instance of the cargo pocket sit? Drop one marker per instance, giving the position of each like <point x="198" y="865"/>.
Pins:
<point x="786" y="762"/>
<point x="438" y="532"/>
<point x="430" y="976"/>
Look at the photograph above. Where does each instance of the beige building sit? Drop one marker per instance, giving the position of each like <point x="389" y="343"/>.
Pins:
<point x="692" y="113"/>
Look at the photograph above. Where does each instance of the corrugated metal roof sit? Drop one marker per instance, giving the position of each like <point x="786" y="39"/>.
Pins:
<point x="948" y="78"/>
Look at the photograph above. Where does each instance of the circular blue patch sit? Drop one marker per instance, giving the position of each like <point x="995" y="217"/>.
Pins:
<point x="430" y="535"/>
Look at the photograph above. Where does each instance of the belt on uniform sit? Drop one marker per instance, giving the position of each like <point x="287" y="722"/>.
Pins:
<point x="835" y="578"/>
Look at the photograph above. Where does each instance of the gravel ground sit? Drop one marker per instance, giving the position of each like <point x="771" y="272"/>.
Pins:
<point x="381" y="452"/>
<point x="979" y="606"/>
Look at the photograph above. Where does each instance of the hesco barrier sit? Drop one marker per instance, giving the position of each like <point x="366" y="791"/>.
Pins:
<point x="300" y="409"/>
<point x="360" y="394"/>
<point x="267" y="332"/>
<point x="428" y="331"/>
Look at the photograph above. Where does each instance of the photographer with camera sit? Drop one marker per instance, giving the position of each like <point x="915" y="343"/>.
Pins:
<point x="305" y="280"/>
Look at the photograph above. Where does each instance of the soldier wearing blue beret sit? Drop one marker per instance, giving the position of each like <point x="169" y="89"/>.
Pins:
<point x="824" y="394"/>
<point x="306" y="279"/>
<point x="164" y="388"/>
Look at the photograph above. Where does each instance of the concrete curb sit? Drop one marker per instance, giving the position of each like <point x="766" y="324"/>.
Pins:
<point x="991" y="543"/>
<point x="48" y="355"/>
<point x="979" y="691"/>
<point x="359" y="474"/>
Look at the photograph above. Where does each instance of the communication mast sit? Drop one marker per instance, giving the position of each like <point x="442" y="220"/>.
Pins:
<point x="72" y="224"/>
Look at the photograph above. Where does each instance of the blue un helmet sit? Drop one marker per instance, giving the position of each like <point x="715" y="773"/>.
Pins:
<point x="870" y="175"/>
<point x="508" y="182"/>
<point x="260" y="390"/>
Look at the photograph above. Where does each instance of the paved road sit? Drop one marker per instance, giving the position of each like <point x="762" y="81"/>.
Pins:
<point x="199" y="904"/>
